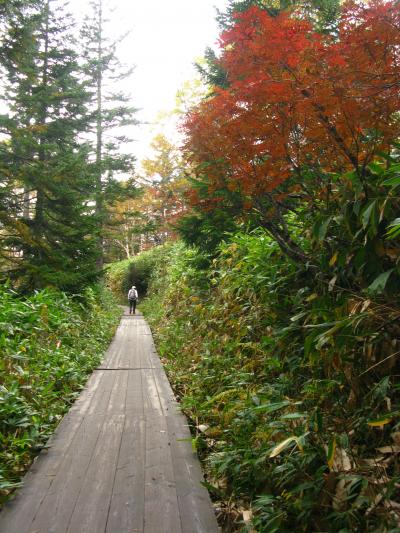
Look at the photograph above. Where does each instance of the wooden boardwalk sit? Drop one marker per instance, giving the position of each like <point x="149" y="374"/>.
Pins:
<point x="120" y="460"/>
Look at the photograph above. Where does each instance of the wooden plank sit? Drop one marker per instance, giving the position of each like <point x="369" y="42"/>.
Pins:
<point x="134" y="393"/>
<point x="126" y="512"/>
<point x="151" y="398"/>
<point x="99" y="404"/>
<point x="195" y="508"/>
<point x="161" y="503"/>
<point x="154" y="359"/>
<point x="60" y="500"/>
<point x="18" y="514"/>
<point x="117" y="401"/>
<point x="113" y="351"/>
<point x="135" y="357"/>
<point x="143" y="359"/>
<point x="165" y="393"/>
<point x="86" y="397"/>
<point x="93" y="500"/>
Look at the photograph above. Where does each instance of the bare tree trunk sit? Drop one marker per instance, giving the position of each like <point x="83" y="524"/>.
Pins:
<point x="277" y="227"/>
<point x="99" y="135"/>
<point x="39" y="206"/>
<point x="26" y="211"/>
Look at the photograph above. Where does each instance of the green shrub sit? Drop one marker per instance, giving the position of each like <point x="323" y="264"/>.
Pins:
<point x="49" y="344"/>
<point x="290" y="384"/>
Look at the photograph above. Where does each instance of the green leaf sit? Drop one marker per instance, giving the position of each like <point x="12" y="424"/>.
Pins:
<point x="309" y="343"/>
<point x="394" y="229"/>
<point x="326" y="337"/>
<point x="384" y="419"/>
<point x="379" y="283"/>
<point x="297" y="317"/>
<point x="271" y="407"/>
<point x="385" y="156"/>
<point x="395" y="223"/>
<point x="324" y="228"/>
<point x="368" y="215"/>
<point x="321" y="227"/>
<point x="394" y="181"/>
<point x="379" y="422"/>
<point x="376" y="168"/>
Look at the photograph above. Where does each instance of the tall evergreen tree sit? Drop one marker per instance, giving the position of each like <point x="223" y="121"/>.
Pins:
<point x="49" y="233"/>
<point x="110" y="113"/>
<point x="17" y="47"/>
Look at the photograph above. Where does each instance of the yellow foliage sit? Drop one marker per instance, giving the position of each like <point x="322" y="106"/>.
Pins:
<point x="223" y="396"/>
<point x="262" y="435"/>
<point x="214" y="432"/>
<point x="379" y="423"/>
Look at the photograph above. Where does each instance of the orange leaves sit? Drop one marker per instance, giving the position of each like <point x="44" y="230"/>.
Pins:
<point x="297" y="97"/>
<point x="286" y="38"/>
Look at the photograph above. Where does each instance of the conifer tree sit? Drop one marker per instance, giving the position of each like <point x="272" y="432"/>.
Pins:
<point x="110" y="112"/>
<point x="49" y="231"/>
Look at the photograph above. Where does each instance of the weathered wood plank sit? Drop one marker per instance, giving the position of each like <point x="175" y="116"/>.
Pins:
<point x="117" y="401"/>
<point x="161" y="503"/>
<point x="112" y="353"/>
<point x="165" y="393"/>
<point x="91" y="510"/>
<point x="134" y="393"/>
<point x="59" y="501"/>
<point x="99" y="404"/>
<point x="196" y="513"/>
<point x="19" y="514"/>
<point x="151" y="398"/>
<point x="126" y="512"/>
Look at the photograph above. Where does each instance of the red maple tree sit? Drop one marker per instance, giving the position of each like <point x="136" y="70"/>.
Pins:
<point x="298" y="99"/>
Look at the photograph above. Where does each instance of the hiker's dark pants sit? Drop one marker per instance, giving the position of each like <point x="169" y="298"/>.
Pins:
<point x="132" y="306"/>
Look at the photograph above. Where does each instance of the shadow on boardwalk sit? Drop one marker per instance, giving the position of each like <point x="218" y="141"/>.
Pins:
<point x="121" y="459"/>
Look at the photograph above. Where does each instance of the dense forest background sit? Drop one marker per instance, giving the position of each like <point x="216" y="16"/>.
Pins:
<point x="267" y="246"/>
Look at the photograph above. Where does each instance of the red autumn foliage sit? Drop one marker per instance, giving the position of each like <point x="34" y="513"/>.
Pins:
<point x="299" y="99"/>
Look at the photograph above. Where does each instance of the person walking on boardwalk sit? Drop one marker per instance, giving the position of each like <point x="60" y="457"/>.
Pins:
<point x="132" y="297"/>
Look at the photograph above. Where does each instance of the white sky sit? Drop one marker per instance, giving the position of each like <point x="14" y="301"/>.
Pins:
<point x="166" y="37"/>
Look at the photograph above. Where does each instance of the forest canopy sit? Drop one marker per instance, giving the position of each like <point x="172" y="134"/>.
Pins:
<point x="58" y="171"/>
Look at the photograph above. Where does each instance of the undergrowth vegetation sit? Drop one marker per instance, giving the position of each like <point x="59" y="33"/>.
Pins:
<point x="50" y="343"/>
<point x="290" y="384"/>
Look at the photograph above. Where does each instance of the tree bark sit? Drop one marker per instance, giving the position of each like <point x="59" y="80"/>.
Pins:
<point x="40" y="194"/>
<point x="279" y="231"/>
<point x="99" y="135"/>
